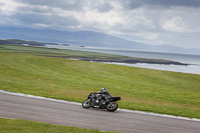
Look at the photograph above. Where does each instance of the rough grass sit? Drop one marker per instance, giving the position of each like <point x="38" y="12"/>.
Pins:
<point x="24" y="126"/>
<point x="66" y="53"/>
<point x="51" y="51"/>
<point x="141" y="89"/>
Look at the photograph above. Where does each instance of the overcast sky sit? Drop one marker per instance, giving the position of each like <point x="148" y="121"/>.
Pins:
<point x="155" y="22"/>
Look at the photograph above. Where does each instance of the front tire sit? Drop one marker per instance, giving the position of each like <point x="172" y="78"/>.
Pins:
<point x="86" y="103"/>
<point x="112" y="106"/>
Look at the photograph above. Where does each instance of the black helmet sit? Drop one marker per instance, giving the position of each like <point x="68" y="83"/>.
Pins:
<point x="103" y="89"/>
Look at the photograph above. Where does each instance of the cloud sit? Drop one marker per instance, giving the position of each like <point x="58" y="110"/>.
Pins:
<point x="7" y="7"/>
<point x="132" y="4"/>
<point x="154" y="21"/>
<point x="63" y="4"/>
<point x="176" y="24"/>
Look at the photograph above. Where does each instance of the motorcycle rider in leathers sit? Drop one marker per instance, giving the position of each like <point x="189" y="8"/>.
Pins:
<point x="105" y="94"/>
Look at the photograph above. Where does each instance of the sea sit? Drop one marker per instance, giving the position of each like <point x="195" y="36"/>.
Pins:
<point x="192" y="60"/>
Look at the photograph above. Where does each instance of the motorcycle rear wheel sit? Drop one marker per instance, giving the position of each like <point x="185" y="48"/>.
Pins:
<point x="86" y="103"/>
<point x="112" y="106"/>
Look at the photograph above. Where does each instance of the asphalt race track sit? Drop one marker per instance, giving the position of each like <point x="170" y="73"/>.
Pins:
<point x="72" y="114"/>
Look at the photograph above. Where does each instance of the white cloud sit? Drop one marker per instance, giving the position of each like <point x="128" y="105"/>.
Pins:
<point x="99" y="20"/>
<point x="175" y="24"/>
<point x="148" y="35"/>
<point x="8" y="7"/>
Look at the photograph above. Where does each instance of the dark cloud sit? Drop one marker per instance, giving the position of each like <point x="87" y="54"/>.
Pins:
<point x="51" y="20"/>
<point x="73" y="5"/>
<point x="34" y="9"/>
<point x="132" y="4"/>
<point x="64" y="4"/>
<point x="103" y="7"/>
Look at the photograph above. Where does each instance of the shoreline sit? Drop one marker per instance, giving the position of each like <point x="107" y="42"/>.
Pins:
<point x="127" y="60"/>
<point x="135" y="61"/>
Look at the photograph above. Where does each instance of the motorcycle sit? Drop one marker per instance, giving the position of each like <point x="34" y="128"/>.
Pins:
<point x="100" y="102"/>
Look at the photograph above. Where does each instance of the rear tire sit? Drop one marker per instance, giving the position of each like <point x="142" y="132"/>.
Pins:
<point x="86" y="103"/>
<point x="112" y="106"/>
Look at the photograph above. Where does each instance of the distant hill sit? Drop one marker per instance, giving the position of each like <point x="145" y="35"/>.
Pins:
<point x="85" y="38"/>
<point x="22" y="42"/>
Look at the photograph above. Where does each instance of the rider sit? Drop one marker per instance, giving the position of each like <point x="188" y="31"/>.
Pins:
<point x="105" y="94"/>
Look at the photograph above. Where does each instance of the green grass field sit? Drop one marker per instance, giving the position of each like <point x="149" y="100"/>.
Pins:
<point x="140" y="89"/>
<point x="23" y="126"/>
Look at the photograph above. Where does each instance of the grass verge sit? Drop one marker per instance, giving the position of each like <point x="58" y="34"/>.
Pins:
<point x="24" y="126"/>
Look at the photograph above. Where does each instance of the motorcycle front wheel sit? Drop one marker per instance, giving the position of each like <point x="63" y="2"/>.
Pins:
<point x="112" y="106"/>
<point x="86" y="103"/>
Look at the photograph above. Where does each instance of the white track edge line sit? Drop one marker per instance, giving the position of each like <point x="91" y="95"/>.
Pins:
<point x="123" y="110"/>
